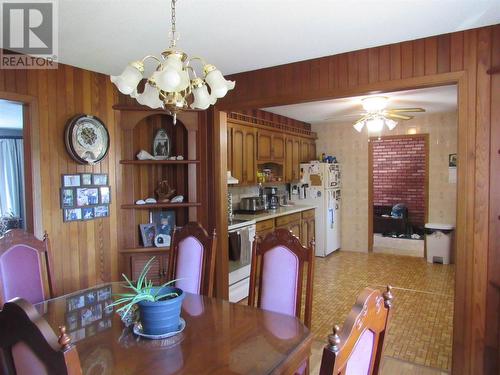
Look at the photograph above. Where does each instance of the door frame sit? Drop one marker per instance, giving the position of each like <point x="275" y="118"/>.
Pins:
<point x="465" y="260"/>
<point x="32" y="179"/>
<point x="370" y="181"/>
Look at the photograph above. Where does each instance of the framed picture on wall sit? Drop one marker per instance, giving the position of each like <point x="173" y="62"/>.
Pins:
<point x="72" y="214"/>
<point x="100" y="179"/>
<point x="452" y="160"/>
<point x="71" y="180"/>
<point x="87" y="213"/>
<point x="87" y="196"/>
<point x="101" y="211"/>
<point x="104" y="195"/>
<point x="67" y="197"/>
<point x="86" y="179"/>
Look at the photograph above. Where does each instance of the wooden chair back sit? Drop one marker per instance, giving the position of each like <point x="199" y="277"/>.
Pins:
<point x="28" y="345"/>
<point x="23" y="261"/>
<point x="357" y="347"/>
<point x="277" y="274"/>
<point x="192" y="259"/>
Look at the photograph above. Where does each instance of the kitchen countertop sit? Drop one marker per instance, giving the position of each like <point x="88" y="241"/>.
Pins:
<point x="271" y="214"/>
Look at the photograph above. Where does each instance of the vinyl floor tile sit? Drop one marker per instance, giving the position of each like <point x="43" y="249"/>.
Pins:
<point x="421" y="327"/>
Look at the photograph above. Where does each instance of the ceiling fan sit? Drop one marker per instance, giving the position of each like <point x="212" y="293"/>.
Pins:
<point x="377" y="114"/>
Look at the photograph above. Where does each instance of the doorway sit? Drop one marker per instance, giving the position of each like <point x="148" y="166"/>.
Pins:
<point x="12" y="167"/>
<point x="398" y="170"/>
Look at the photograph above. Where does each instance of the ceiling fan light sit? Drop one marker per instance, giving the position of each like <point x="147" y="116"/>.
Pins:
<point x="150" y="97"/>
<point x="375" y="124"/>
<point x="130" y="77"/>
<point x="359" y="126"/>
<point x="391" y="124"/>
<point x="219" y="86"/>
<point x="374" y="103"/>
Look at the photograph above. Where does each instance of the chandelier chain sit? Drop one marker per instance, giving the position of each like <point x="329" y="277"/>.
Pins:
<point x="172" y="9"/>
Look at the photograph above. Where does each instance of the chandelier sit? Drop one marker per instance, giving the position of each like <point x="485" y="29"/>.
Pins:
<point x="174" y="85"/>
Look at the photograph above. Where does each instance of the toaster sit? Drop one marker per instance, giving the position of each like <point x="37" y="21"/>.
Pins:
<point x="252" y="204"/>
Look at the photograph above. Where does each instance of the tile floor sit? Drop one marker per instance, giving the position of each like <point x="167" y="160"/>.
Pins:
<point x="420" y="331"/>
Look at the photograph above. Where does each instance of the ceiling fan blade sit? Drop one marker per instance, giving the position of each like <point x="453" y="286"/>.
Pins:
<point x="399" y="116"/>
<point x="406" y="110"/>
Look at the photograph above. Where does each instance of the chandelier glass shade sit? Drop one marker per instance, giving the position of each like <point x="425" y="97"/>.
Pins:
<point x="174" y="85"/>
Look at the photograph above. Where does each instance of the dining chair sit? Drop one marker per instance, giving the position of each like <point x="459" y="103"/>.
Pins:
<point x="192" y="259"/>
<point x="28" y="345"/>
<point x="280" y="258"/>
<point x="357" y="348"/>
<point x="23" y="261"/>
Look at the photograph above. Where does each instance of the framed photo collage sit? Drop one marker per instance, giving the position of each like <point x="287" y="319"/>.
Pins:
<point x="85" y="196"/>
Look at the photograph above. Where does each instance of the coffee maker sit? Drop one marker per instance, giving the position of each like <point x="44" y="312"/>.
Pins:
<point x="272" y="197"/>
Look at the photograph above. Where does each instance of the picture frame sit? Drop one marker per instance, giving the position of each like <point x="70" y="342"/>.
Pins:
<point x="164" y="221"/>
<point x="72" y="214"/>
<point x="104" y="195"/>
<point x="88" y="213"/>
<point x="148" y="233"/>
<point x="101" y="211"/>
<point x="86" y="179"/>
<point x="67" y="197"/>
<point x="71" y="180"/>
<point x="87" y="196"/>
<point x="161" y="145"/>
<point x="75" y="302"/>
<point x="104" y="294"/>
<point x="99" y="179"/>
<point x="452" y="160"/>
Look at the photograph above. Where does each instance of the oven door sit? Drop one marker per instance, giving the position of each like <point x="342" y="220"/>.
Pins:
<point x="240" y="261"/>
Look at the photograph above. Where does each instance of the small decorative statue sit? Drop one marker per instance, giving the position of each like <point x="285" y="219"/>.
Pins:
<point x="164" y="191"/>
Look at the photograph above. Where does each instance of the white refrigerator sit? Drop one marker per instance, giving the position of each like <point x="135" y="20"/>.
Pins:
<point x="320" y="186"/>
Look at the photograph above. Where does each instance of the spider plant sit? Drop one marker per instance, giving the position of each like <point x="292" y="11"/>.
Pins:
<point x="142" y="291"/>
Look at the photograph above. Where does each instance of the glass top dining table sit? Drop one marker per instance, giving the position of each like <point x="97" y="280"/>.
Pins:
<point x="219" y="338"/>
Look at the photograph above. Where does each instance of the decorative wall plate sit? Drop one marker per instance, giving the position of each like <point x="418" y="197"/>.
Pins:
<point x="87" y="139"/>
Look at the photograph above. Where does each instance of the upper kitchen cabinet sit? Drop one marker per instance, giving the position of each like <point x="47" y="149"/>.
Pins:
<point x="242" y="153"/>
<point x="254" y="144"/>
<point x="307" y="150"/>
<point x="270" y="146"/>
<point x="292" y="158"/>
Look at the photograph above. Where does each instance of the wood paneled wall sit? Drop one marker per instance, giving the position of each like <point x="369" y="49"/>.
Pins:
<point x="84" y="253"/>
<point x="273" y="117"/>
<point x="462" y="58"/>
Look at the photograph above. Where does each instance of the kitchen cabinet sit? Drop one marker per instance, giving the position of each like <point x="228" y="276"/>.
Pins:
<point x="307" y="150"/>
<point x="292" y="159"/>
<point x="243" y="153"/>
<point x="291" y="222"/>
<point x="264" y="227"/>
<point x="302" y="224"/>
<point x="250" y="147"/>
<point x="308" y="227"/>
<point x="270" y="146"/>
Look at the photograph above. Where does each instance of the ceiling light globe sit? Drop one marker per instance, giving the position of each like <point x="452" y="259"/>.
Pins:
<point x="391" y="124"/>
<point x="375" y="124"/>
<point x="359" y="126"/>
<point x="150" y="97"/>
<point x="202" y="99"/>
<point x="184" y="82"/>
<point x="130" y="78"/>
<point x="219" y="86"/>
<point x="168" y="79"/>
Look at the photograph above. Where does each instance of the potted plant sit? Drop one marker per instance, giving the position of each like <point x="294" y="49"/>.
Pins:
<point x="159" y="306"/>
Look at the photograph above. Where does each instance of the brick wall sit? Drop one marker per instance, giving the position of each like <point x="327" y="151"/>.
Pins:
<point x="399" y="174"/>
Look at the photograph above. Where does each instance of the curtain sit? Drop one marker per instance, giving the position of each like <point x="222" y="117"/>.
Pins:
<point x="12" y="177"/>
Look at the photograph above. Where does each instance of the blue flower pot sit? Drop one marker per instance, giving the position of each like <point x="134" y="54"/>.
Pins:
<point x="161" y="317"/>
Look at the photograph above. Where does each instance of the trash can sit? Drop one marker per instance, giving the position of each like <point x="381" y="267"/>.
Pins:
<point x="439" y="242"/>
